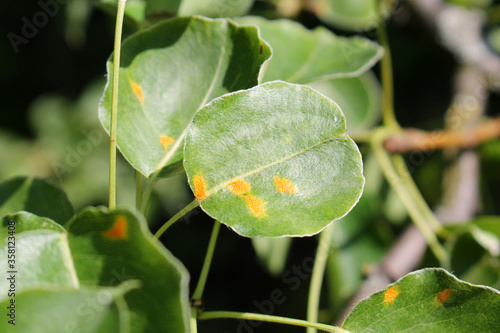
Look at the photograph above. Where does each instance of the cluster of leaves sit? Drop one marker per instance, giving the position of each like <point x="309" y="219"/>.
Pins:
<point x="246" y="109"/>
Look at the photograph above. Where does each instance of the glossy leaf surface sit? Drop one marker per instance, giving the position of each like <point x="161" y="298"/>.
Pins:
<point x="301" y="55"/>
<point x="429" y="300"/>
<point x="170" y="71"/>
<point x="273" y="161"/>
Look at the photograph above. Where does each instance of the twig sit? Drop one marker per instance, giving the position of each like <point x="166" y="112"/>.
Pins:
<point x="418" y="140"/>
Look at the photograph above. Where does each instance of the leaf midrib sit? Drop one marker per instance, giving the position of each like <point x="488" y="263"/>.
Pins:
<point x="264" y="167"/>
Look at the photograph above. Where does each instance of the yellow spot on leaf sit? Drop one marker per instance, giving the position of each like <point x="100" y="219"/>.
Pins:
<point x="390" y="295"/>
<point x="166" y="141"/>
<point x="256" y="206"/>
<point x="284" y="185"/>
<point x="137" y="89"/>
<point x="200" y="187"/>
<point x="239" y="186"/>
<point x="443" y="296"/>
<point x="118" y="230"/>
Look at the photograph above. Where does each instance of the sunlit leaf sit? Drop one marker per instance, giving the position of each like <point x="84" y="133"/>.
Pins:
<point x="36" y="196"/>
<point x="170" y="71"/>
<point x="428" y="300"/>
<point x="273" y="161"/>
<point x="110" y="248"/>
<point x="301" y="55"/>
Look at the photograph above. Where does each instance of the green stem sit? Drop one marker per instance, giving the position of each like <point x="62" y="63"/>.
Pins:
<point x="317" y="277"/>
<point x="198" y="292"/>
<point x="268" y="318"/>
<point x="147" y="195"/>
<point x="177" y="216"/>
<point x="114" y="103"/>
<point x="193" y="323"/>
<point x="388" y="118"/>
<point x="399" y="186"/>
<point x="200" y="286"/>
<point x="138" y="190"/>
<point x="412" y="188"/>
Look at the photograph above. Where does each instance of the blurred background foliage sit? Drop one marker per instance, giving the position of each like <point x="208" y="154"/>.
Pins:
<point x="49" y="129"/>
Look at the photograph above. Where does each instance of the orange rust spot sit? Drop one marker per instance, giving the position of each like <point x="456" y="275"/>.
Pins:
<point x="443" y="296"/>
<point x="118" y="230"/>
<point x="137" y="89"/>
<point x="256" y="206"/>
<point x="166" y="141"/>
<point x="200" y="187"/>
<point x="284" y="185"/>
<point x="239" y="186"/>
<point x="390" y="294"/>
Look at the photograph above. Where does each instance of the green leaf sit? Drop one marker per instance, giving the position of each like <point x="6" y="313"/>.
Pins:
<point x="301" y="55"/>
<point x="273" y="161"/>
<point x="360" y="98"/>
<point x="356" y="15"/>
<point x="36" y="196"/>
<point x="41" y="256"/>
<point x="428" y="300"/>
<point x="112" y="247"/>
<point x="215" y="8"/>
<point x="170" y="71"/>
<point x="85" y="311"/>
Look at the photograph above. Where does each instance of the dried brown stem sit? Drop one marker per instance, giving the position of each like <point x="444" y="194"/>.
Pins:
<point x="418" y="140"/>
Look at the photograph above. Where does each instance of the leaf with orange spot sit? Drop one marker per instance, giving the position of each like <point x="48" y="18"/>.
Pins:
<point x="390" y="294"/>
<point x="118" y="230"/>
<point x="239" y="186"/>
<point x="443" y="296"/>
<point x="284" y="185"/>
<point x="137" y="90"/>
<point x="158" y="96"/>
<point x="256" y="205"/>
<point x="166" y="141"/>
<point x="428" y="300"/>
<point x="281" y="147"/>
<point x="129" y="253"/>
<point x="200" y="187"/>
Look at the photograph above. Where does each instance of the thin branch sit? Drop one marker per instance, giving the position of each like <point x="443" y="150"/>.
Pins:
<point x="418" y="140"/>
